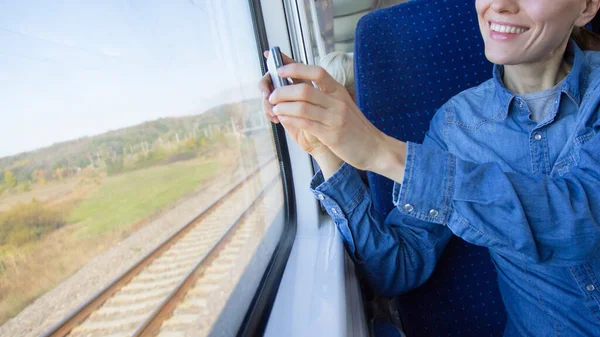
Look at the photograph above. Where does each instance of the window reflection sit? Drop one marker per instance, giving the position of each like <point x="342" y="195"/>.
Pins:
<point x="122" y="121"/>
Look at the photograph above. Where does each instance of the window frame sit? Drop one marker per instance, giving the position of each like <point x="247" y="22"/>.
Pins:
<point x="257" y="315"/>
<point x="318" y="274"/>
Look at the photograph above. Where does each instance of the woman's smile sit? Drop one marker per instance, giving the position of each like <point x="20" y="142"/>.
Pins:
<point x="505" y="31"/>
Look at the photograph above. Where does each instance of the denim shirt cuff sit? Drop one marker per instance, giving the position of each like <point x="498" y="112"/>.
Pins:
<point x="428" y="171"/>
<point x="341" y="193"/>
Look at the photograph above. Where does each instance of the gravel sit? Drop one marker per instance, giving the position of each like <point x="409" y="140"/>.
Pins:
<point x="50" y="308"/>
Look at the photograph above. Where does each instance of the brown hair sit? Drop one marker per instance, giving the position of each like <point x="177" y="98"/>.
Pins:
<point x="586" y="39"/>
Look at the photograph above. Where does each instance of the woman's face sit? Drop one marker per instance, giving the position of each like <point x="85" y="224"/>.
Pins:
<point x="526" y="31"/>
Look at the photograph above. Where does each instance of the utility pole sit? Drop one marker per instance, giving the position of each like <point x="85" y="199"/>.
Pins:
<point x="91" y="161"/>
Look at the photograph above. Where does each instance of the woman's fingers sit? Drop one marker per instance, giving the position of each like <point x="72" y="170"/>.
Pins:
<point x="312" y="73"/>
<point x="303" y="92"/>
<point x="268" y="109"/>
<point x="302" y="110"/>
<point x="286" y="59"/>
<point x="266" y="88"/>
<point x="315" y="128"/>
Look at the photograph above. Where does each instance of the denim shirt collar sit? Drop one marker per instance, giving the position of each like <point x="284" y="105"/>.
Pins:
<point x="572" y="85"/>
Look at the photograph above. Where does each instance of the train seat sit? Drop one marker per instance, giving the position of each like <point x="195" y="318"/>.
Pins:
<point x="409" y="60"/>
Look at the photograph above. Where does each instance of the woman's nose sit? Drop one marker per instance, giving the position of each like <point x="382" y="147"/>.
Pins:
<point x="505" y="6"/>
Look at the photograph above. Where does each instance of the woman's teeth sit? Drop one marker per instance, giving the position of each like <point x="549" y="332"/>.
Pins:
<point x="506" y="29"/>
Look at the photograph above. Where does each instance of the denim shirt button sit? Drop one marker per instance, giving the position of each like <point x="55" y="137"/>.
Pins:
<point x="590" y="287"/>
<point x="537" y="136"/>
<point x="433" y="213"/>
<point x="321" y="197"/>
<point x="334" y="211"/>
<point x="408" y="208"/>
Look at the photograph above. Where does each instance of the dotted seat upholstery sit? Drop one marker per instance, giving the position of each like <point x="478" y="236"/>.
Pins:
<point x="409" y="60"/>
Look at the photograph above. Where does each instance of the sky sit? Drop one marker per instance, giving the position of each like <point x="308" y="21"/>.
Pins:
<point x="72" y="68"/>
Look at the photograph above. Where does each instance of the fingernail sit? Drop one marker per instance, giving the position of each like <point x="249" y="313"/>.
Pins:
<point x="274" y="110"/>
<point x="281" y="70"/>
<point x="271" y="99"/>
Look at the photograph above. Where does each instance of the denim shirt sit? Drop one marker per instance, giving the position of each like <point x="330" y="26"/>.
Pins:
<point x="529" y="192"/>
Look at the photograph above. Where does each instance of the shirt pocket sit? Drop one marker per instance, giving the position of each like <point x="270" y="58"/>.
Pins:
<point x="589" y="134"/>
<point x="564" y="166"/>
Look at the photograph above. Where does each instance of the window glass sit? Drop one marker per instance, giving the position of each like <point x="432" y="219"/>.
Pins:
<point x="332" y="24"/>
<point x="124" y="121"/>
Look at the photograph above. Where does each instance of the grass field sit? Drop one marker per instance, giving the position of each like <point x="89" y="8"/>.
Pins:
<point x="51" y="191"/>
<point x="104" y="217"/>
<point x="129" y="197"/>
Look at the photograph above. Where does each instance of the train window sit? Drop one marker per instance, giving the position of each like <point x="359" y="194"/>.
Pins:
<point x="139" y="179"/>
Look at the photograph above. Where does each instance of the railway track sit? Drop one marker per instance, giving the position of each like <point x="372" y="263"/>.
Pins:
<point x="186" y="279"/>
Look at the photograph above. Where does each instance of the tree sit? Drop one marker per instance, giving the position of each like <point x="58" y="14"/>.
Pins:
<point x="190" y="144"/>
<point x="9" y="179"/>
<point x="60" y="173"/>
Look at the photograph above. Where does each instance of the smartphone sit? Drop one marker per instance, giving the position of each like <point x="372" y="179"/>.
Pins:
<point x="275" y="61"/>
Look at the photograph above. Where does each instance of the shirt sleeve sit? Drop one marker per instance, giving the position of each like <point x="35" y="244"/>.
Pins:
<point x="535" y="218"/>
<point x="397" y="253"/>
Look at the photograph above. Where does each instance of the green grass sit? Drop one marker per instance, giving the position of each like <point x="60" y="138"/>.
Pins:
<point x="126" y="198"/>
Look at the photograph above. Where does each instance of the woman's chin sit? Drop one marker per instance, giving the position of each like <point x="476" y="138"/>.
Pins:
<point x="501" y="57"/>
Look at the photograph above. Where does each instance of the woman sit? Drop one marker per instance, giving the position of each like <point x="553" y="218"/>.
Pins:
<point x="512" y="165"/>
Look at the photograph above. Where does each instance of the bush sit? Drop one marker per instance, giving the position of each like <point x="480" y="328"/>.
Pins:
<point x="115" y="166"/>
<point x="179" y="157"/>
<point x="154" y="157"/>
<point x="25" y="187"/>
<point x="10" y="179"/>
<point x="28" y="222"/>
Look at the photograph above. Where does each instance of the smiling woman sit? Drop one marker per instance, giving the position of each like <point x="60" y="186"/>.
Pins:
<point x="541" y="32"/>
<point x="511" y="165"/>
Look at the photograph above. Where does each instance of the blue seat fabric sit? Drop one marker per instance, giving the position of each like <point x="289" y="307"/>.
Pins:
<point x="409" y="60"/>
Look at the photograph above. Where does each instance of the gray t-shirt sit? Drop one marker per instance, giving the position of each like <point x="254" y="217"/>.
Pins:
<point x="540" y="103"/>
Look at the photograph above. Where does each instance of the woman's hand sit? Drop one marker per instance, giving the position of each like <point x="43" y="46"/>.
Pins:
<point x="266" y="88"/>
<point x="305" y="140"/>
<point x="330" y="114"/>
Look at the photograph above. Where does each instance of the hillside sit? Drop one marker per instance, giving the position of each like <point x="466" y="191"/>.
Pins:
<point x="112" y="151"/>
